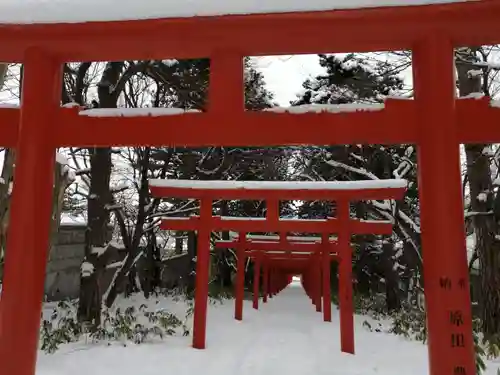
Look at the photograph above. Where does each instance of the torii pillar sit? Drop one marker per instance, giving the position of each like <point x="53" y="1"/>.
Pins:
<point x="31" y="208"/>
<point x="446" y="276"/>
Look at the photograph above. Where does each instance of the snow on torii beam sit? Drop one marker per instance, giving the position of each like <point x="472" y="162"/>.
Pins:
<point x="226" y="223"/>
<point x="272" y="246"/>
<point x="280" y="190"/>
<point x="388" y="29"/>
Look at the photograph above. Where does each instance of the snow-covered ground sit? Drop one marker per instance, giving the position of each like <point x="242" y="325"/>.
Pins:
<point x="286" y="336"/>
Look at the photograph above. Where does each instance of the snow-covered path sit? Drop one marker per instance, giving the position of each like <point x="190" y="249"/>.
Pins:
<point x="286" y="336"/>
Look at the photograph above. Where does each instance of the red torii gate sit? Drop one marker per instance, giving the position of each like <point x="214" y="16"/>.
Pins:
<point x="273" y="192"/>
<point x="318" y="252"/>
<point x="297" y="247"/>
<point x="435" y="121"/>
<point x="263" y="250"/>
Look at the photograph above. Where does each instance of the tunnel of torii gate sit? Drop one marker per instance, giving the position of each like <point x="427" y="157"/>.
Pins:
<point x="309" y="257"/>
<point x="312" y="256"/>
<point x="435" y="121"/>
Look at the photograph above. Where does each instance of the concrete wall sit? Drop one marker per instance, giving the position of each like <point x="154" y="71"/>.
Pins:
<point x="62" y="280"/>
<point x="63" y="268"/>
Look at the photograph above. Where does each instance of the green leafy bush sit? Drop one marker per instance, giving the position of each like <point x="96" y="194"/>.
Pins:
<point x="124" y="325"/>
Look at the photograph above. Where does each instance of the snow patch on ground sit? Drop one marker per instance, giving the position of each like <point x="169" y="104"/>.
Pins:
<point x="286" y="336"/>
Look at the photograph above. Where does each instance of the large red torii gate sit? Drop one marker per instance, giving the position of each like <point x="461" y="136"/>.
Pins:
<point x="435" y="121"/>
<point x="273" y="192"/>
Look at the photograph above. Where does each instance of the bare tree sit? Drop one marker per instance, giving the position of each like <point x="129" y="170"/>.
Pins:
<point x="484" y="203"/>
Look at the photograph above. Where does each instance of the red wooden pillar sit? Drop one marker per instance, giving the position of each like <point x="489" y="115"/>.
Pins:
<point x="308" y="278"/>
<point x="271" y="282"/>
<point x="309" y="284"/>
<point x="273" y="216"/>
<point x="325" y="262"/>
<point x="305" y="281"/>
<point x="447" y="295"/>
<point x="265" y="280"/>
<point x="226" y="90"/>
<point x="240" y="277"/>
<point x="31" y="207"/>
<point x="256" y="281"/>
<point x="317" y="277"/>
<point x="276" y="282"/>
<point x="282" y="281"/>
<point x="277" y="277"/>
<point x="202" y="275"/>
<point x="345" y="279"/>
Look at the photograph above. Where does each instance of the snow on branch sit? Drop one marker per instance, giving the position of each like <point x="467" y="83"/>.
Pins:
<point x="360" y="171"/>
<point x="386" y="205"/>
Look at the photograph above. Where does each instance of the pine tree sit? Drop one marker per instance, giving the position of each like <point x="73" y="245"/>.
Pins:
<point x="353" y="79"/>
<point x="350" y="79"/>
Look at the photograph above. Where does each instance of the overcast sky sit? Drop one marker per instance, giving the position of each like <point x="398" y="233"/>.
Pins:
<point x="284" y="75"/>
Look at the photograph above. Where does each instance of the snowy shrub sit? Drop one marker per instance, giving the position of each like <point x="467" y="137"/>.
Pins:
<point x="374" y="306"/>
<point x="219" y="294"/>
<point x="123" y="325"/>
<point x="128" y="325"/>
<point x="409" y="322"/>
<point x="62" y="327"/>
<point x="216" y="294"/>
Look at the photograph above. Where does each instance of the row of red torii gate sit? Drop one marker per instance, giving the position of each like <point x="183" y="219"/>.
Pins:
<point x="281" y="255"/>
<point x="435" y="121"/>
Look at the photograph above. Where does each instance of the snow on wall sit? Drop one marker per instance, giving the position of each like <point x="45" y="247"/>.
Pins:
<point x="71" y="11"/>
<point x="67" y="219"/>
<point x="306" y="108"/>
<point x="285" y="185"/>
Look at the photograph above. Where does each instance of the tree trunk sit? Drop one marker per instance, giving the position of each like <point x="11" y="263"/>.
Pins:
<point x="89" y="309"/>
<point x="179" y="242"/>
<point x="392" y="296"/>
<point x="482" y="201"/>
<point x="3" y="73"/>
<point x="7" y="174"/>
<point x="125" y="278"/>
